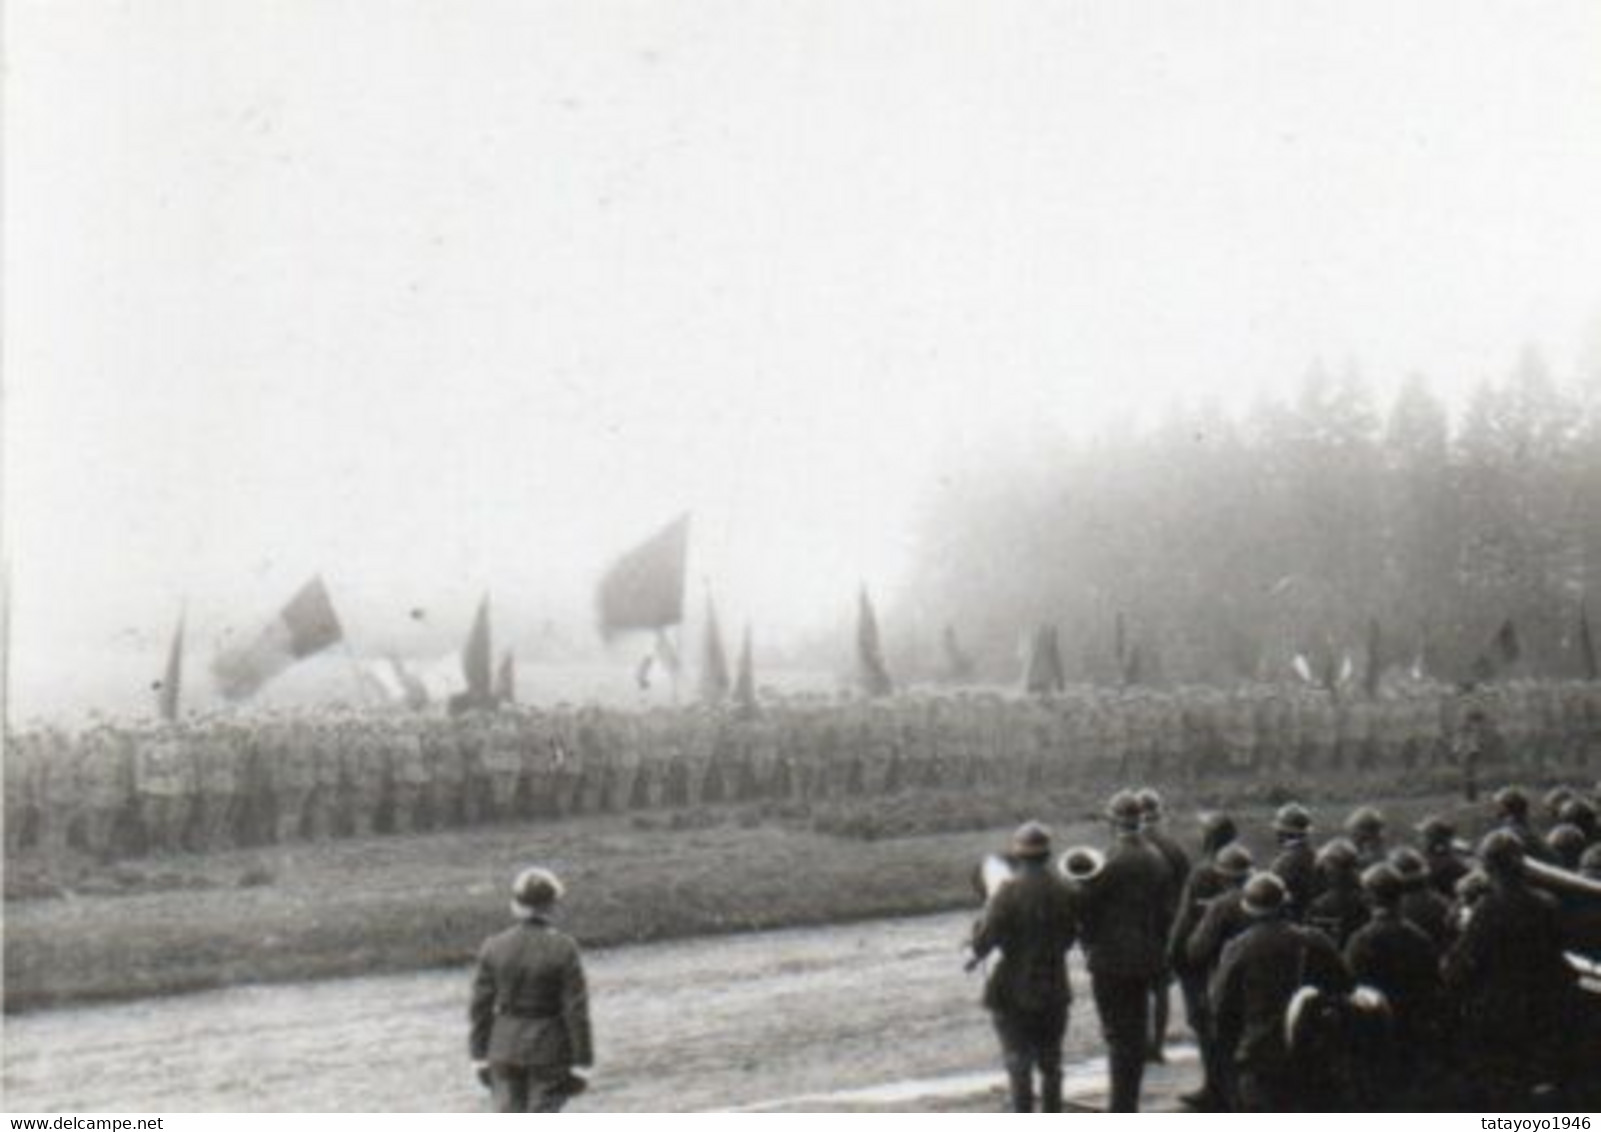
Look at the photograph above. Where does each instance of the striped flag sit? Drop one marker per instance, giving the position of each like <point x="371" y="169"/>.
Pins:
<point x="304" y="627"/>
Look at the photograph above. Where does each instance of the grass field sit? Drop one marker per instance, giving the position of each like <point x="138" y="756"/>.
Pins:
<point x="390" y="904"/>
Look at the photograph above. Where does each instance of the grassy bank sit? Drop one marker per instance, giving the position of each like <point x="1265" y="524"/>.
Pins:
<point x="395" y="904"/>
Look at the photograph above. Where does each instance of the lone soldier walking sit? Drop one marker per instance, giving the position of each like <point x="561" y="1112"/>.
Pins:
<point x="1031" y="921"/>
<point x="530" y="1006"/>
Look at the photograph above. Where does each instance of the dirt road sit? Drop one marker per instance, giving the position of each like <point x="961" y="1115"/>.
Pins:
<point x="685" y="1026"/>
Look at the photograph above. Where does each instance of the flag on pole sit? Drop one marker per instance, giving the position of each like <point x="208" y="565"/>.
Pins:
<point x="476" y="662"/>
<point x="871" y="671"/>
<point x="644" y="589"/>
<point x="1044" y="673"/>
<point x="1503" y="653"/>
<point x="167" y="691"/>
<point x="959" y="666"/>
<point x="506" y="679"/>
<point x="745" y="681"/>
<point x="414" y="690"/>
<point x="304" y="627"/>
<point x="714" y="680"/>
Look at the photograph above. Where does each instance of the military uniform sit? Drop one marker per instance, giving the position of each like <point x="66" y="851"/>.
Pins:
<point x="530" y="1015"/>
<point x="165" y="781"/>
<point x="1259" y="973"/>
<point x="1031" y="921"/>
<point x="1123" y="911"/>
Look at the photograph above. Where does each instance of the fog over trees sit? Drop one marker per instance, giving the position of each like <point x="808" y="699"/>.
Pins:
<point x="1227" y="542"/>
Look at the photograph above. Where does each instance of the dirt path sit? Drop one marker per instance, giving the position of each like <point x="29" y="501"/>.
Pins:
<point x="685" y="1026"/>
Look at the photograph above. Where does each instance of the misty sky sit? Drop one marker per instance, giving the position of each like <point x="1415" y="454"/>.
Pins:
<point x="439" y="296"/>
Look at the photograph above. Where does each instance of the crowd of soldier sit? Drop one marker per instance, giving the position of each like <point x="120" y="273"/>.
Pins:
<point x="1371" y="972"/>
<point x="115" y="789"/>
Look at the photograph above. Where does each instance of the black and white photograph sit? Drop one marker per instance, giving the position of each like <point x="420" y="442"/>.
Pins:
<point x="800" y="556"/>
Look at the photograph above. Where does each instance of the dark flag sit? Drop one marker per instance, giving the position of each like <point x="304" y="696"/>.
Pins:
<point x="1587" y="658"/>
<point x="1134" y="666"/>
<point x="959" y="667"/>
<point x="167" y="691"/>
<point x="305" y="626"/>
<point x="1503" y="653"/>
<point x="745" y="679"/>
<point x="476" y="662"/>
<point x="713" y="662"/>
<point x="1044" y="673"/>
<point x="644" y="589"/>
<point x="1375" y="666"/>
<point x="506" y="679"/>
<point x="871" y="671"/>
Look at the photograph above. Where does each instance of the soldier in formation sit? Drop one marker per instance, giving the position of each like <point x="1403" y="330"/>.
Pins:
<point x="115" y="789"/>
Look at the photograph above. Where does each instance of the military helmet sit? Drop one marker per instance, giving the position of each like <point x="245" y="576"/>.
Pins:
<point x="1383" y="883"/>
<point x="1031" y="841"/>
<point x="1472" y="886"/>
<point x="534" y="891"/>
<point x="1123" y="808"/>
<point x="1512" y="802"/>
<point x="1556" y="797"/>
<point x="1217" y="830"/>
<point x="1409" y="864"/>
<point x="1567" y="842"/>
<point x="1265" y="895"/>
<point x="1590" y="862"/>
<point x="1436" y="830"/>
<point x="1338" y="856"/>
<point x="1234" y="862"/>
<point x="1293" y="820"/>
<point x="1501" y="851"/>
<point x="1364" y="821"/>
<point x="1576" y="811"/>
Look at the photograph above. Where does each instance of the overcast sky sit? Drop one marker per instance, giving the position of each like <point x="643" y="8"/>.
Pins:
<point x="443" y="295"/>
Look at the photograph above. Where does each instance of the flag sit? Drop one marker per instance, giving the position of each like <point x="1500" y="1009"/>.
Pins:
<point x="1587" y="657"/>
<point x="1503" y="653"/>
<point x="1375" y="667"/>
<point x="714" y="680"/>
<point x="167" y="691"/>
<point x="305" y="626"/>
<point x="414" y="691"/>
<point x="959" y="666"/>
<point x="476" y="662"/>
<point x="871" y="671"/>
<point x="644" y="589"/>
<point x="506" y="679"/>
<point x="1044" y="672"/>
<point x="1134" y="666"/>
<point x="745" y="680"/>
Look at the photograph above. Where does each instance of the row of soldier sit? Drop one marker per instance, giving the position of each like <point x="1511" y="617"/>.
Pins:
<point x="1359" y="974"/>
<point x="117" y="789"/>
